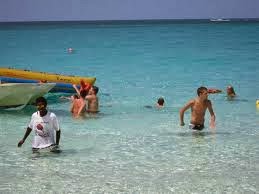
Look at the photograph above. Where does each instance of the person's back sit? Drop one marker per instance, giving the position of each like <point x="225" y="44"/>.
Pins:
<point x="79" y="105"/>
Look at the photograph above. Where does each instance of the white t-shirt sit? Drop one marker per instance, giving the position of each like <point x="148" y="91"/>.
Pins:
<point x="44" y="128"/>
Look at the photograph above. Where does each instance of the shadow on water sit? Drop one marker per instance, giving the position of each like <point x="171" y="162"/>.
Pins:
<point x="105" y="94"/>
<point x="236" y="100"/>
<point x="27" y="110"/>
<point x="167" y="109"/>
<point x="149" y="106"/>
<point x="59" y="153"/>
<point x="196" y="133"/>
<point x="61" y="112"/>
<point x="53" y="154"/>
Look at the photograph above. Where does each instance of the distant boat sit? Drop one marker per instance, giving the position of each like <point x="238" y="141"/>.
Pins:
<point x="20" y="94"/>
<point x="219" y="20"/>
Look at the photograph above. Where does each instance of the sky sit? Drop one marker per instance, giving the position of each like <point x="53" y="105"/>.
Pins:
<point x="91" y="10"/>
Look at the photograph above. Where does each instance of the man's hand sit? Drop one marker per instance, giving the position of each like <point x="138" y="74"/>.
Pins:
<point x="212" y="125"/>
<point x="20" y="143"/>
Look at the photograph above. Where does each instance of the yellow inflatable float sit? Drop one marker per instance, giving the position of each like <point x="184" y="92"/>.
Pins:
<point x="42" y="76"/>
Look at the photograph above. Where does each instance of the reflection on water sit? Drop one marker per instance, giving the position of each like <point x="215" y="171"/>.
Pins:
<point x="199" y="133"/>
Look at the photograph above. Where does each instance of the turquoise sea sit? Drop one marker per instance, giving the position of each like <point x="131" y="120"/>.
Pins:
<point x="128" y="148"/>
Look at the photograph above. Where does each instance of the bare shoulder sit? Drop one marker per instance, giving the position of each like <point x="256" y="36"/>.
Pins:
<point x="191" y="102"/>
<point x="89" y="97"/>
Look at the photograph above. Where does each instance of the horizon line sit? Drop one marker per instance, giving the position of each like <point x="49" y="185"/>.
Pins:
<point x="207" y="20"/>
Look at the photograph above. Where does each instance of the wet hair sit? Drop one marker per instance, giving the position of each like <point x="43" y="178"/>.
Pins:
<point x="83" y="93"/>
<point x="160" y="101"/>
<point x="96" y="89"/>
<point x="75" y="96"/>
<point x="201" y="89"/>
<point x="42" y="100"/>
<point x="231" y="90"/>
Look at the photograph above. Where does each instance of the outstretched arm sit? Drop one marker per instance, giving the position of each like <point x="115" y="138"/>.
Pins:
<point x="77" y="91"/>
<point x="213" y="117"/>
<point x="181" y="113"/>
<point x="27" y="133"/>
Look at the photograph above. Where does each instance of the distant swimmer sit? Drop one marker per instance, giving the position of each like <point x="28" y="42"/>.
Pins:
<point x="46" y="127"/>
<point x="198" y="107"/>
<point x="70" y="50"/>
<point x="160" y="102"/>
<point x="231" y="92"/>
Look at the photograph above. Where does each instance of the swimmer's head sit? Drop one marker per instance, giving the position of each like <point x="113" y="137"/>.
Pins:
<point x="202" y="90"/>
<point x="95" y="89"/>
<point x="70" y="50"/>
<point x="73" y="97"/>
<point x="160" y="101"/>
<point x="230" y="90"/>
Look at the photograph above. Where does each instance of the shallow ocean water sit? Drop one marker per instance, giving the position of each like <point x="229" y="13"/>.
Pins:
<point x="128" y="148"/>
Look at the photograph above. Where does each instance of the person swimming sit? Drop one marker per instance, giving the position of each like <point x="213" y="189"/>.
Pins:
<point x="160" y="102"/>
<point x="231" y="92"/>
<point x="70" y="50"/>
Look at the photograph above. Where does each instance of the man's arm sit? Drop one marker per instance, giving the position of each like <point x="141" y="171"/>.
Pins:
<point x="213" y="117"/>
<point x="27" y="133"/>
<point x="58" y="136"/>
<point x="77" y="91"/>
<point x="89" y="97"/>
<point x="181" y="113"/>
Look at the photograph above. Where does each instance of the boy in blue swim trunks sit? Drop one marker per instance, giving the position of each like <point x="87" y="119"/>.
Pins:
<point x="198" y="107"/>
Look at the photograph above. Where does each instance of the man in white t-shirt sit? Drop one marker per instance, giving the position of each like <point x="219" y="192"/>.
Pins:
<point x="44" y="123"/>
